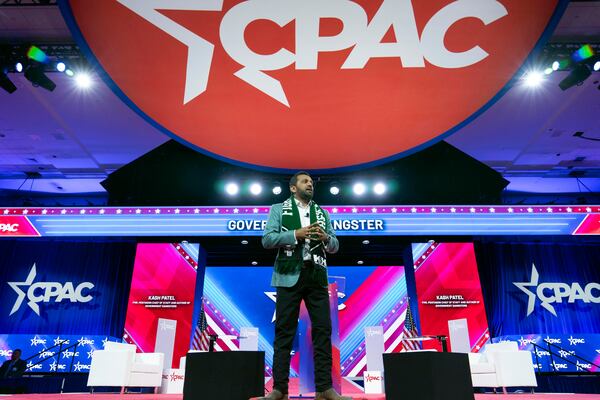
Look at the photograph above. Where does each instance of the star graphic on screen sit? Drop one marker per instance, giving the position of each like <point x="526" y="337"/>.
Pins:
<point x="21" y="293"/>
<point x="533" y="283"/>
<point x="272" y="296"/>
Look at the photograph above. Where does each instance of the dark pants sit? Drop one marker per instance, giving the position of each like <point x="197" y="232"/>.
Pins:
<point x="316" y="299"/>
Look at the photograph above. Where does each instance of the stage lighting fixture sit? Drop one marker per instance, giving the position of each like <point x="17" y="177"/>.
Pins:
<point x="60" y="66"/>
<point x="359" y="189"/>
<point x="83" y="80"/>
<point x="232" y="189"/>
<point x="583" y="53"/>
<point x="69" y="72"/>
<point x="561" y="64"/>
<point x="597" y="66"/>
<point x="276" y="190"/>
<point x="579" y="74"/>
<point x="6" y="83"/>
<point x="334" y="190"/>
<point x="548" y="71"/>
<point x="37" y="54"/>
<point x="533" y="79"/>
<point x="244" y="242"/>
<point x="379" y="188"/>
<point x="35" y="74"/>
<point x="255" y="189"/>
<point x="19" y="67"/>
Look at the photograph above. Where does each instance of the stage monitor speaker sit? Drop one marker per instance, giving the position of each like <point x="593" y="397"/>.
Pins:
<point x="427" y="375"/>
<point x="231" y="375"/>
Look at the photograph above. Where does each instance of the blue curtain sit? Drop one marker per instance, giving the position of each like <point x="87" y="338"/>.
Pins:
<point x="503" y="264"/>
<point x="108" y="265"/>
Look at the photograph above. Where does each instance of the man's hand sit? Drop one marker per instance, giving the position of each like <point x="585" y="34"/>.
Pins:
<point x="320" y="234"/>
<point x="308" y="232"/>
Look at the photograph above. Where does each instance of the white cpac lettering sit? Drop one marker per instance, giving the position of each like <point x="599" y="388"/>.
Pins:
<point x="357" y="31"/>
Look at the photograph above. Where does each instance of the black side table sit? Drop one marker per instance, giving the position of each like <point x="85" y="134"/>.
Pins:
<point x="231" y="375"/>
<point x="427" y="375"/>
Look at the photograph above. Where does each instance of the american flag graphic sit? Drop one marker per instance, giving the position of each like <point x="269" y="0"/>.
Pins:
<point x="202" y="332"/>
<point x="410" y="331"/>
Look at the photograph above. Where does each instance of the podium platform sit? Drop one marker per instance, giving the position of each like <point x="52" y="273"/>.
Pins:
<point x="224" y="375"/>
<point x="427" y="376"/>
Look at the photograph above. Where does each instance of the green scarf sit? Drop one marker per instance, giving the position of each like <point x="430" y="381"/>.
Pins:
<point x="289" y="261"/>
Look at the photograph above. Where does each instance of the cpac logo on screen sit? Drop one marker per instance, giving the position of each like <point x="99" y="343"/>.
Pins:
<point x="47" y="292"/>
<point x="9" y="227"/>
<point x="366" y="38"/>
<point x="555" y="292"/>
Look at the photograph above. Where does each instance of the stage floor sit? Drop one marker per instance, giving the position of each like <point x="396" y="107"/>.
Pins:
<point x="133" y="396"/>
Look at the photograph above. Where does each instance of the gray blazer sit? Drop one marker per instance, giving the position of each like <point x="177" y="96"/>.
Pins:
<point x="274" y="238"/>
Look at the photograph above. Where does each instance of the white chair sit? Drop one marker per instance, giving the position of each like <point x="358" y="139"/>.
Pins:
<point x="502" y="365"/>
<point x="119" y="365"/>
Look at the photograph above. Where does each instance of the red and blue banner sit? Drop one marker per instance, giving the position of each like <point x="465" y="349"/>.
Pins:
<point x="448" y="288"/>
<point x="372" y="296"/>
<point x="163" y="286"/>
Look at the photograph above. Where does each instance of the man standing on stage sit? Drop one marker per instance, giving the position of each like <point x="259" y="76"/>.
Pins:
<point x="301" y="232"/>
<point x="14" y="367"/>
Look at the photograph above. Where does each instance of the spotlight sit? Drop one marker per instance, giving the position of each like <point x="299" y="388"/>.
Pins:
<point x="379" y="188"/>
<point x="276" y="190"/>
<point x="19" y="67"/>
<point x="35" y="74"/>
<point x="334" y="190"/>
<point x="6" y="83"/>
<point x="579" y="74"/>
<point x="83" y="80"/>
<point x="597" y="66"/>
<point x="37" y="54"/>
<point x="548" y="71"/>
<point x="359" y="189"/>
<point x="255" y="189"/>
<point x="232" y="189"/>
<point x="561" y="64"/>
<point x="583" y="53"/>
<point x="69" y="72"/>
<point x="533" y="79"/>
<point x="61" y="67"/>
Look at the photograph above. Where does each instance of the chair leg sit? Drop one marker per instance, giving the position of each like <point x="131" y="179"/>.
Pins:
<point x="122" y="389"/>
<point x="504" y="390"/>
<point x="156" y="390"/>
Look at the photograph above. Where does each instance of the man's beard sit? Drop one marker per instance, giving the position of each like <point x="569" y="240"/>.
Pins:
<point x="304" y="195"/>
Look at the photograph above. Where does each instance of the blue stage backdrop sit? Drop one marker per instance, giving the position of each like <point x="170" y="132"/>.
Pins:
<point x="536" y="293"/>
<point x="60" y="287"/>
